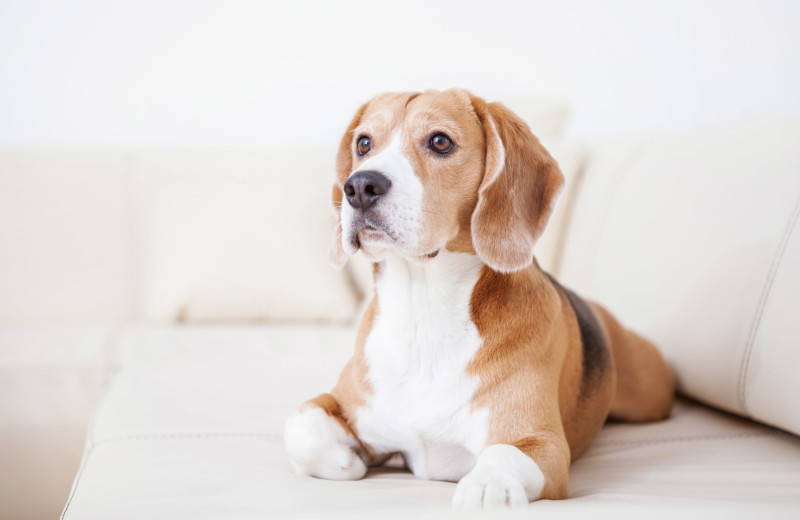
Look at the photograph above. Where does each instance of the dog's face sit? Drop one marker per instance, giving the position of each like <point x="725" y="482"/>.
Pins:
<point x="417" y="173"/>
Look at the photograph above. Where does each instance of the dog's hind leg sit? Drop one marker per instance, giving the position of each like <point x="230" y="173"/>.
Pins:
<point x="645" y="387"/>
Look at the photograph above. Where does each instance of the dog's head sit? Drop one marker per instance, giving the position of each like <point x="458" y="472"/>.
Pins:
<point x="419" y="172"/>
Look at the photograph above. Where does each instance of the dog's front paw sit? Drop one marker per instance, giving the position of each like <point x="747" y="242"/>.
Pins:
<point x="489" y="490"/>
<point x="503" y="476"/>
<point x="319" y="446"/>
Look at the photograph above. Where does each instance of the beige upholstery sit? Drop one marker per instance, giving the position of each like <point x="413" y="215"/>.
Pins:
<point x="64" y="220"/>
<point x="89" y="240"/>
<point x="168" y="236"/>
<point x="191" y="431"/>
<point x="219" y="236"/>
<point x="689" y="239"/>
<point x="693" y="241"/>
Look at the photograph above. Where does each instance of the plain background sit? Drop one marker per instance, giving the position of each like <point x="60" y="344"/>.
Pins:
<point x="196" y="73"/>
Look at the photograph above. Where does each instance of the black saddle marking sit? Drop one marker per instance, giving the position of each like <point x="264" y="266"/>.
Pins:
<point x="595" y="347"/>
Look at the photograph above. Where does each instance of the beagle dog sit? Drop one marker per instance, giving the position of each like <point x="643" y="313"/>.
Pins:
<point x="471" y="362"/>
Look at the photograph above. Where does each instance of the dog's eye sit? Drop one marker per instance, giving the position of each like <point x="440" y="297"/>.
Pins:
<point x="364" y="144"/>
<point x="441" y="144"/>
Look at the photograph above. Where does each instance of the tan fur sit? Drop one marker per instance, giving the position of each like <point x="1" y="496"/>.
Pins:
<point x="331" y="407"/>
<point x="493" y="198"/>
<point x="645" y="387"/>
<point x="519" y="365"/>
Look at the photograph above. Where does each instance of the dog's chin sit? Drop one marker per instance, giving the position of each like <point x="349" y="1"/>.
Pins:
<point x="369" y="236"/>
<point x="372" y="242"/>
<point x="376" y="245"/>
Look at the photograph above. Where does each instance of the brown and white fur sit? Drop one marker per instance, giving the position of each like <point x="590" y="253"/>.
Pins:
<point x="470" y="361"/>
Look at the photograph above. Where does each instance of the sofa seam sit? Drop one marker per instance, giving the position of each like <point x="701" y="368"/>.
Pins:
<point x="667" y="440"/>
<point x="188" y="435"/>
<point x="90" y="443"/>
<point x="84" y="463"/>
<point x="90" y="446"/>
<point x="766" y="291"/>
<point x="272" y="437"/>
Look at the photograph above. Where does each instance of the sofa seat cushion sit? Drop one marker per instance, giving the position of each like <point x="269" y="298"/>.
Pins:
<point x="197" y="434"/>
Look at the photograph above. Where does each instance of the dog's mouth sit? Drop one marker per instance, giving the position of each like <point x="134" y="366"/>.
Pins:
<point x="371" y="235"/>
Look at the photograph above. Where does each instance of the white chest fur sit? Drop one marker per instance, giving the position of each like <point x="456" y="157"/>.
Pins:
<point x="418" y="349"/>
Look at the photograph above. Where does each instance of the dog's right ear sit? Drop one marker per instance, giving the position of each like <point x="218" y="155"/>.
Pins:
<point x="344" y="166"/>
<point x="520" y="185"/>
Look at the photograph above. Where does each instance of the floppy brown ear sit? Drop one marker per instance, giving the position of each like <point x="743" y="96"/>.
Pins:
<point x="520" y="185"/>
<point x="344" y="166"/>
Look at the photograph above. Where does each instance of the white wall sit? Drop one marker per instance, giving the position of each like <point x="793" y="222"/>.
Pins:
<point x="238" y="73"/>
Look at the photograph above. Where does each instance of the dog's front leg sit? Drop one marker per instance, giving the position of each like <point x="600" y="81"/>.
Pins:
<point x="513" y="474"/>
<point x="320" y="443"/>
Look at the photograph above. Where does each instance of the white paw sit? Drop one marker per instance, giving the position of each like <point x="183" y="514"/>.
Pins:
<point x="477" y="491"/>
<point x="318" y="446"/>
<point x="503" y="477"/>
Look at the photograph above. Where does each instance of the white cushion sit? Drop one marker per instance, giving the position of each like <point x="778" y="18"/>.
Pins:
<point x="202" y="439"/>
<point x="239" y="236"/>
<point x="65" y="252"/>
<point x="692" y="240"/>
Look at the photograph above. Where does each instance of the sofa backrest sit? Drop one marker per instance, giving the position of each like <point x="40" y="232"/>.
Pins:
<point x="692" y="240"/>
<point x="65" y="248"/>
<point x="168" y="236"/>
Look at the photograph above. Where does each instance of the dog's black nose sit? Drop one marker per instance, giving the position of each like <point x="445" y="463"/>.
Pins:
<point x="363" y="189"/>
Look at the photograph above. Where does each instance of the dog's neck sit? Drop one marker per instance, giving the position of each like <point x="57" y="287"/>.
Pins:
<point x="446" y="280"/>
<point x="424" y="312"/>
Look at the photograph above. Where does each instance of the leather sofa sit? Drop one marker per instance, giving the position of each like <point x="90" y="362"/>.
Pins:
<point x="178" y="300"/>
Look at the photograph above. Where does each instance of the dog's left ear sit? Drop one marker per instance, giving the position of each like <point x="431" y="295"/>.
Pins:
<point x="520" y="185"/>
<point x="344" y="166"/>
<point x="336" y="254"/>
